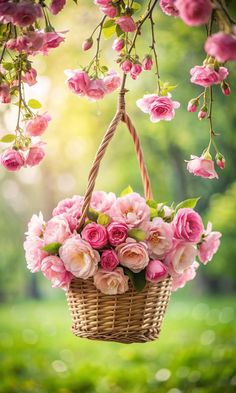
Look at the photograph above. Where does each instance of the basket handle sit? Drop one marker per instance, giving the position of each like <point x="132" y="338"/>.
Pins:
<point x="120" y="115"/>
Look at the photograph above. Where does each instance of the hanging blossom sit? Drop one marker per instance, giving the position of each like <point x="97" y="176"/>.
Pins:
<point x="26" y="32"/>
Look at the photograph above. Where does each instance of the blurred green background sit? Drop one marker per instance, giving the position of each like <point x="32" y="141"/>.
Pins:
<point x="196" y="350"/>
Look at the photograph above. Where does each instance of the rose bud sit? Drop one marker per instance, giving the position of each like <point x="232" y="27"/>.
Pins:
<point x="202" y="113"/>
<point x="118" y="44"/>
<point x="192" y="105"/>
<point x="126" y="66"/>
<point x="147" y="63"/>
<point x="220" y="161"/>
<point x="225" y="88"/>
<point x="35" y="155"/>
<point x="87" y="44"/>
<point x="135" y="70"/>
<point x="12" y="160"/>
<point x="156" y="271"/>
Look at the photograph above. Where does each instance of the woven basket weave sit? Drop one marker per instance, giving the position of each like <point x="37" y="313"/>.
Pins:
<point x="132" y="317"/>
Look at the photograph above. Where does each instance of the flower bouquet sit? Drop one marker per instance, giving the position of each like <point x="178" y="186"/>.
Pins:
<point x="118" y="258"/>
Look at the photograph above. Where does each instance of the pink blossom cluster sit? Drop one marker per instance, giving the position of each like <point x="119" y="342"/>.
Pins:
<point x="192" y="12"/>
<point x="119" y="237"/>
<point x="110" y="9"/>
<point x="133" y="67"/>
<point x="93" y="88"/>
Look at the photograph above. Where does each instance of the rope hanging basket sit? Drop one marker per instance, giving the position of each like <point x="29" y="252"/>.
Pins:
<point x="132" y="317"/>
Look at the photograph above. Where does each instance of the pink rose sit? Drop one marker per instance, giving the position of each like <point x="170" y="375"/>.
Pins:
<point x="111" y="81"/>
<point x="194" y="12"/>
<point x="51" y="40"/>
<point x="135" y="70"/>
<point x="110" y="11"/>
<point x="222" y="46"/>
<point x="35" y="154"/>
<point x="36" y="225"/>
<point x="147" y="63"/>
<point x="158" y="107"/>
<point x="78" y="81"/>
<point x="72" y="206"/>
<point x="54" y="270"/>
<point x="79" y="258"/>
<point x="96" y="89"/>
<point x="209" y="245"/>
<point x="95" y="235"/>
<point x="57" y="230"/>
<point x="34" y="253"/>
<point x="156" y="271"/>
<point x="56" y="6"/>
<point x="206" y="75"/>
<point x="33" y="41"/>
<point x="30" y="77"/>
<point x="180" y="258"/>
<point x="169" y="8"/>
<point x="117" y="233"/>
<point x="192" y="106"/>
<point x="5" y="95"/>
<point x="12" y="160"/>
<point x="38" y="125"/>
<point x="187" y="225"/>
<point x="131" y="209"/>
<point x="109" y="260"/>
<point x="26" y="13"/>
<point x="118" y="44"/>
<point x="180" y="280"/>
<point x="126" y="66"/>
<point x="7" y="11"/>
<point x="159" y="238"/>
<point x="202" y="167"/>
<point x="126" y="23"/>
<point x="133" y="255"/>
<point x="102" y="201"/>
<point x="111" y="283"/>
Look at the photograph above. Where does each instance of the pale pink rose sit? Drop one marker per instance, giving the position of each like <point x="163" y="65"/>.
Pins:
<point x="96" y="89"/>
<point x="34" y="253"/>
<point x="109" y="260"/>
<point x="72" y="221"/>
<point x="118" y="44"/>
<point x="133" y="255"/>
<point x="169" y="8"/>
<point x="56" y="6"/>
<point x="147" y="63"/>
<point x="202" y="167"/>
<point x="111" y="81"/>
<point x="12" y="160"/>
<point x="180" y="258"/>
<point x="36" y="225"/>
<point x="126" y="66"/>
<point x="131" y="209"/>
<point x="206" y="75"/>
<point x="156" y="271"/>
<point x="57" y="230"/>
<point x="51" y="40"/>
<point x="135" y="70"/>
<point x="5" y="96"/>
<point x="209" y="246"/>
<point x="159" y="239"/>
<point x="111" y="283"/>
<point x="54" y="270"/>
<point x="33" y="41"/>
<point x="79" y="258"/>
<point x="117" y="233"/>
<point x="26" y="13"/>
<point x="187" y="225"/>
<point x="126" y="23"/>
<point x="102" y="201"/>
<point x="30" y="77"/>
<point x="222" y="46"/>
<point x="179" y="281"/>
<point x="35" y="154"/>
<point x="7" y="11"/>
<point x="95" y="235"/>
<point x="194" y="12"/>
<point x="72" y="206"/>
<point x="87" y="44"/>
<point x="158" y="107"/>
<point x="78" y="81"/>
<point x="110" y="11"/>
<point x="38" y="125"/>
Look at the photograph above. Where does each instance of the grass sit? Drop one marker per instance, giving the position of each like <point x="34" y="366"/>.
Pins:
<point x="195" y="353"/>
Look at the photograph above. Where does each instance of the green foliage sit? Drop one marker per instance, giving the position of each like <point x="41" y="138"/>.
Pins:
<point x="127" y="190"/>
<point x="34" y="104"/>
<point x="52" y="248"/>
<point x="190" y="203"/>
<point x="8" y="138"/>
<point x="137" y="234"/>
<point x="138" y="280"/>
<point x="103" y="219"/>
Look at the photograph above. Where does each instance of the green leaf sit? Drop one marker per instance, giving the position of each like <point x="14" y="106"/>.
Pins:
<point x="104" y="69"/>
<point x="103" y="219"/>
<point x="109" y="28"/>
<point x="109" y="23"/>
<point x="151" y="203"/>
<point x="136" y="6"/>
<point x="119" y="32"/>
<point x="153" y="213"/>
<point x="34" y="104"/>
<point x="52" y="248"/>
<point x="137" y="234"/>
<point x="8" y="138"/>
<point x="92" y="214"/>
<point x="191" y="203"/>
<point x="127" y="190"/>
<point x="138" y="280"/>
<point x="8" y="66"/>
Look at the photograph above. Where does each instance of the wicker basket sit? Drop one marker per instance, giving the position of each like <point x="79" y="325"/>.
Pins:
<point x="132" y="317"/>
